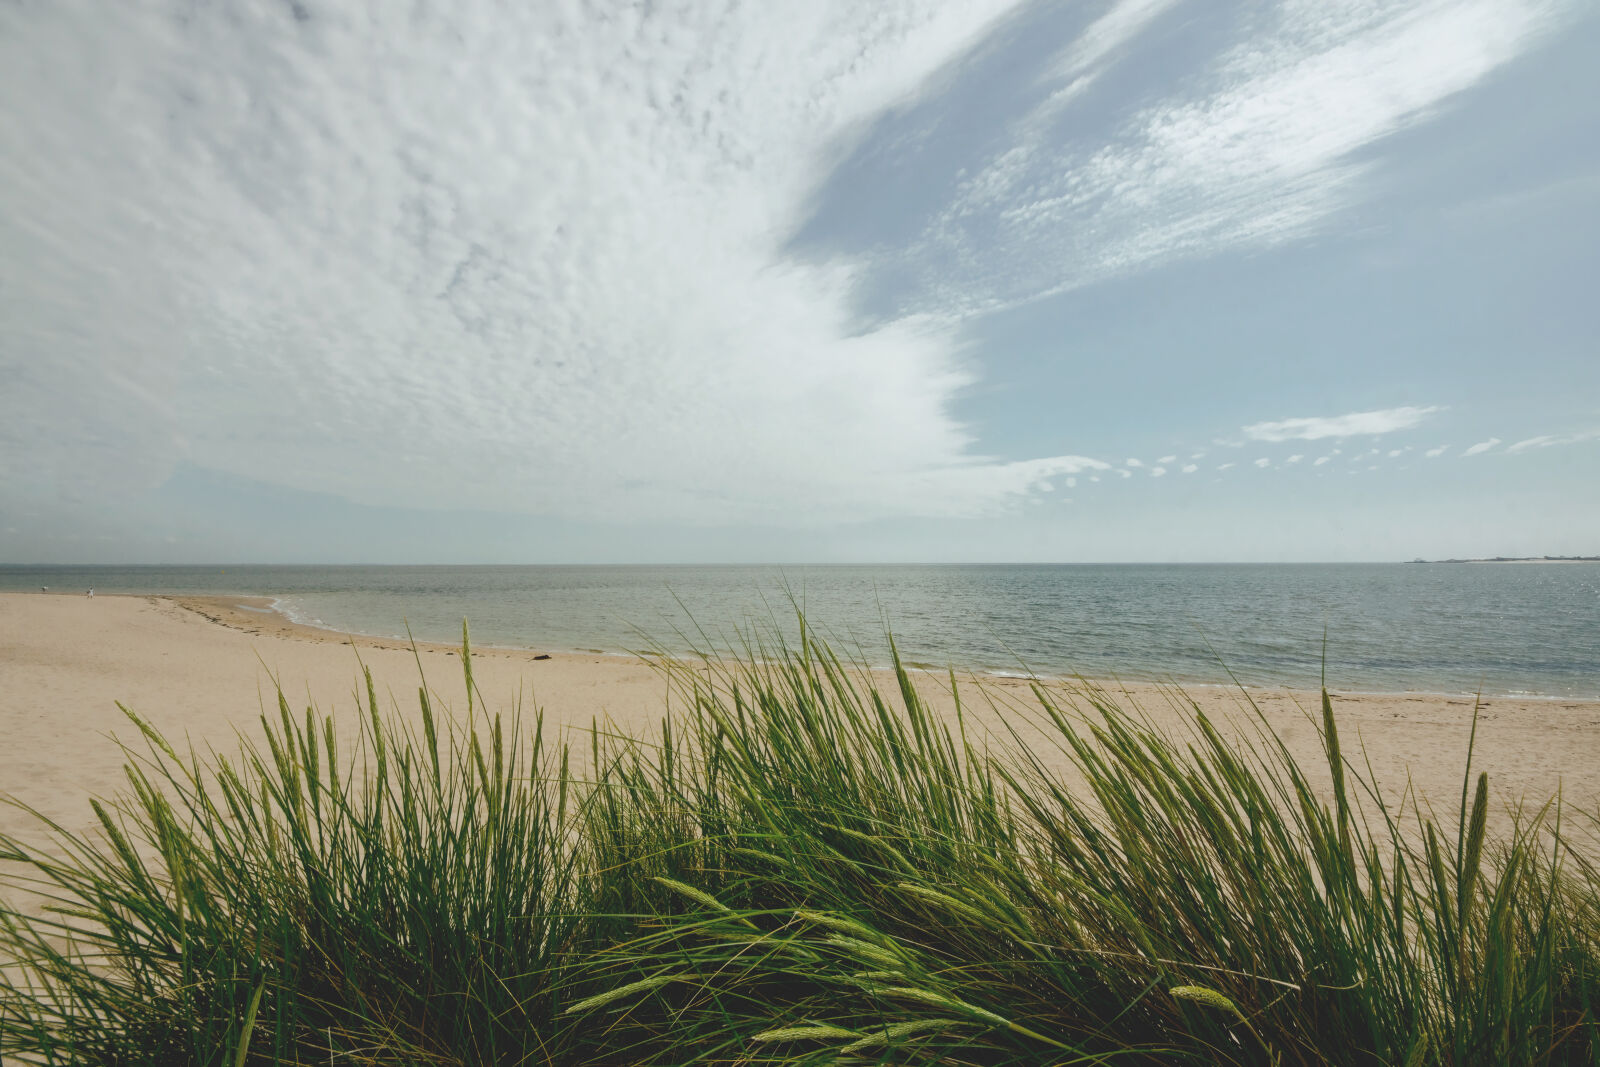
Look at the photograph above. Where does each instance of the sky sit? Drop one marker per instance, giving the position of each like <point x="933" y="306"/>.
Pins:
<point x="917" y="280"/>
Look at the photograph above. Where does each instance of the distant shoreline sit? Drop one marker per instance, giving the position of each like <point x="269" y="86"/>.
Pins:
<point x="1517" y="559"/>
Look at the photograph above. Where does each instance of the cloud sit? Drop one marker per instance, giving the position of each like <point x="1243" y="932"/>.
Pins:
<point x="1481" y="447"/>
<point x="971" y="489"/>
<point x="1320" y="460"/>
<point x="1261" y="142"/>
<point x="1387" y="420"/>
<point x="1550" y="440"/>
<point x="1190" y="468"/>
<point x="1225" y="466"/>
<point x="1124" y="472"/>
<point x="1263" y="462"/>
<point x="522" y="258"/>
<point x="1082" y="59"/>
<point x="535" y="265"/>
<point x="1167" y="459"/>
<point x="1296" y="458"/>
<point x="1133" y="463"/>
<point x="1156" y="472"/>
<point x="1435" y="453"/>
<point x="1393" y="452"/>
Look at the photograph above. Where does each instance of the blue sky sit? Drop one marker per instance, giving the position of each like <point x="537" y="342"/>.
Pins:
<point x="320" y="281"/>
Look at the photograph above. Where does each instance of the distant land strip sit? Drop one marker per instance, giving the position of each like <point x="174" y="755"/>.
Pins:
<point x="1517" y="559"/>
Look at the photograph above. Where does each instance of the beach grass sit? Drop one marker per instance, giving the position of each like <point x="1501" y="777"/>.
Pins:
<point x="801" y="866"/>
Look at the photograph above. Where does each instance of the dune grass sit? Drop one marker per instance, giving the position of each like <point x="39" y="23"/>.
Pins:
<point x="800" y="868"/>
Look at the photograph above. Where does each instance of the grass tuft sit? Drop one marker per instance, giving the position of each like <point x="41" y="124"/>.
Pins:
<point x="802" y="867"/>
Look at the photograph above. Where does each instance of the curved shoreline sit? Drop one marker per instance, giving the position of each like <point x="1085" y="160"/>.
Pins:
<point x="225" y="609"/>
<point x="206" y="668"/>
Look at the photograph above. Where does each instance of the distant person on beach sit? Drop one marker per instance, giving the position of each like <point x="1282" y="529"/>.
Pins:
<point x="91" y="592"/>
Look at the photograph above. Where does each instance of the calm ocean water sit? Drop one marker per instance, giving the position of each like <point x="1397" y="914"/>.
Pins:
<point x="1509" y="628"/>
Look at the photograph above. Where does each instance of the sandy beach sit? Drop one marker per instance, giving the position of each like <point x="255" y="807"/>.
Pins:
<point x="204" y="667"/>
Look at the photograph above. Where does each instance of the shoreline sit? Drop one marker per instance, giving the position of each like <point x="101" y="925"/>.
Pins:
<point x="260" y="615"/>
<point x="205" y="668"/>
<point x="240" y="612"/>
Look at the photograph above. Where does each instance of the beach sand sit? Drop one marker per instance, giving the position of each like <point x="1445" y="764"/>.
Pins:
<point x="204" y="667"/>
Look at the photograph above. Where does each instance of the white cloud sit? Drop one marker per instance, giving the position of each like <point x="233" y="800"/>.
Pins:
<point x="515" y="258"/>
<point x="1296" y="458"/>
<point x="1156" y="472"/>
<point x="1197" y="455"/>
<point x="1167" y="459"/>
<point x="1190" y="468"/>
<point x="1124" y="472"/>
<point x="970" y="489"/>
<point x="1261" y="144"/>
<point x="1393" y="452"/>
<point x="1481" y="447"/>
<point x="1072" y="483"/>
<point x="1263" y="462"/>
<point x="1358" y="423"/>
<point x="1103" y="37"/>
<point x="1549" y="440"/>
<point x="1435" y="453"/>
<point x="505" y="258"/>
<point x="1133" y="463"/>
<point x="1320" y="460"/>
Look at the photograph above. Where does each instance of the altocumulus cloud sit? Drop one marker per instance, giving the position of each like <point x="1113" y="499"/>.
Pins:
<point x="509" y="257"/>
<point x="471" y="255"/>
<point x="1358" y="423"/>
<point x="1549" y="440"/>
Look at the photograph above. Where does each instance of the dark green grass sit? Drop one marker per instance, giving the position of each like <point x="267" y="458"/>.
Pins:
<point x="799" y="868"/>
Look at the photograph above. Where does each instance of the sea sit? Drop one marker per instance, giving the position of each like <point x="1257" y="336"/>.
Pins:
<point x="1530" y="630"/>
